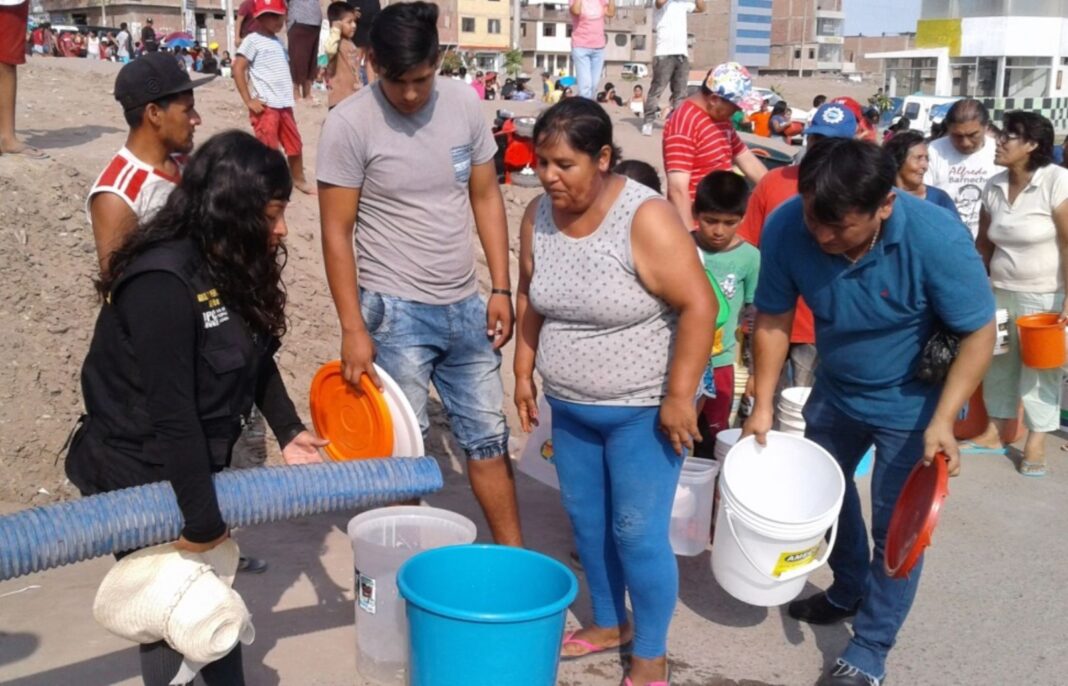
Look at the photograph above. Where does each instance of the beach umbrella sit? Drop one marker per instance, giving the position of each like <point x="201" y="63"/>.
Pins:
<point x="175" y="36"/>
<point x="179" y="43"/>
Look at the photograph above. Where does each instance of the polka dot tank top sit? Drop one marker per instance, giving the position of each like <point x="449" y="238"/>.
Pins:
<point x="606" y="340"/>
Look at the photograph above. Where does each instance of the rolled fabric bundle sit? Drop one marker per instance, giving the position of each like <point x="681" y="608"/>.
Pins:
<point x="165" y="594"/>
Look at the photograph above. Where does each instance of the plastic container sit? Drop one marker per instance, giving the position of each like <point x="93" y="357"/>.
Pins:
<point x="725" y="440"/>
<point x="485" y="615"/>
<point x="691" y="513"/>
<point x="383" y="540"/>
<point x="1041" y="340"/>
<point x="770" y="531"/>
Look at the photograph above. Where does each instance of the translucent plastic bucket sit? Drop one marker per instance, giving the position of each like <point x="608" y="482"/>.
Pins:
<point x="382" y="540"/>
<point x="485" y="615"/>
<point x="691" y="512"/>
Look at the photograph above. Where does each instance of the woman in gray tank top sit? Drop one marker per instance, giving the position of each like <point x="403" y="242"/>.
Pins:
<point x="616" y="314"/>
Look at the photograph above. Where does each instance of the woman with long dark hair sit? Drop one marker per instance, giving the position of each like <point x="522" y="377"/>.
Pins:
<point x="193" y="310"/>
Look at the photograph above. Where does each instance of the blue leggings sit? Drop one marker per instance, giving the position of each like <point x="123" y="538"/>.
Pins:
<point x="618" y="475"/>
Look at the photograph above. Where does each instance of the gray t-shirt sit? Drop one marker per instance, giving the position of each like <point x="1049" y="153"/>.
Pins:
<point x="304" y="12"/>
<point x="414" y="229"/>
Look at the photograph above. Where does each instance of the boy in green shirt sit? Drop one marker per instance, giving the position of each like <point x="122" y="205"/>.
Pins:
<point x="733" y="265"/>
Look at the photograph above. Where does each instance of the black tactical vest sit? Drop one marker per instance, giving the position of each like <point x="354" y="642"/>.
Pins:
<point x="117" y="425"/>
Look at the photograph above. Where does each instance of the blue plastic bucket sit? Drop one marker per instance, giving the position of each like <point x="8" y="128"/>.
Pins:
<point x="485" y="615"/>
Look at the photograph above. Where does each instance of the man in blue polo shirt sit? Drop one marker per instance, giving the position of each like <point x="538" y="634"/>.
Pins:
<point x="882" y="275"/>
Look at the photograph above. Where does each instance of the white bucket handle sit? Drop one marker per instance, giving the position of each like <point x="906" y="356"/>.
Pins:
<point x="794" y="573"/>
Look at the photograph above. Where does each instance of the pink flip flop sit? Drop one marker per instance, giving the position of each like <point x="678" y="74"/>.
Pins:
<point x="591" y="648"/>
<point x="628" y="682"/>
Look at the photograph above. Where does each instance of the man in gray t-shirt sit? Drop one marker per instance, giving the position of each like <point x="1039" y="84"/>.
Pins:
<point x="408" y="163"/>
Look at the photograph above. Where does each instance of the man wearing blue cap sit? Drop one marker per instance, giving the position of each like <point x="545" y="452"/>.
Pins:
<point x="778" y="186"/>
<point x="883" y="277"/>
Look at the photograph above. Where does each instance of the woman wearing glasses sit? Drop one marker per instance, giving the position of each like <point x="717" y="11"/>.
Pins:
<point x="1023" y="238"/>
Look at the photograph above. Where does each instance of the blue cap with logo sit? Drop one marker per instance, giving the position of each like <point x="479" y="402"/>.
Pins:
<point x="833" y="121"/>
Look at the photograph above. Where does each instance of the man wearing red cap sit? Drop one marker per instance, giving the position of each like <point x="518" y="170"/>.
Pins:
<point x="262" y="64"/>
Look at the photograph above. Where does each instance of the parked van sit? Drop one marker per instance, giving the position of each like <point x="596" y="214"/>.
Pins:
<point x="924" y="110"/>
<point x="633" y="71"/>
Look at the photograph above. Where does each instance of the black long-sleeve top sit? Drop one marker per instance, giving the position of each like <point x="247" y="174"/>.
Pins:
<point x="159" y="315"/>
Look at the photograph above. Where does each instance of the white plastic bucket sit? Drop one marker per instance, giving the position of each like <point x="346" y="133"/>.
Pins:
<point x="776" y="504"/>
<point x="382" y="540"/>
<point x="691" y="512"/>
<point x="725" y="440"/>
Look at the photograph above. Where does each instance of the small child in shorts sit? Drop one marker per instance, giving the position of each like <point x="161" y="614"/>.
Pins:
<point x="733" y="265"/>
<point x="262" y="63"/>
<point x="343" y="67"/>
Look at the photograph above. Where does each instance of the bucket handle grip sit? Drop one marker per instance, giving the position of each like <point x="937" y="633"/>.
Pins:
<point x="793" y="573"/>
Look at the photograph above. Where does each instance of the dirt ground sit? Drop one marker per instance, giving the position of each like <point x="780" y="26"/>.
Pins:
<point x="990" y="610"/>
<point x="48" y="304"/>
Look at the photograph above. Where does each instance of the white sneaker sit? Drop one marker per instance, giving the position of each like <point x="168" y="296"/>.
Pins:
<point x="647" y="129"/>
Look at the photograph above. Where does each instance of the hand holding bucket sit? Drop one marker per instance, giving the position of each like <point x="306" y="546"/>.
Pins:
<point x="1042" y="339"/>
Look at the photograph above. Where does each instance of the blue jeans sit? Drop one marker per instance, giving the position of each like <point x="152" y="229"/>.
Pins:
<point x="618" y="475"/>
<point x="858" y="575"/>
<point x="447" y="344"/>
<point x="588" y="64"/>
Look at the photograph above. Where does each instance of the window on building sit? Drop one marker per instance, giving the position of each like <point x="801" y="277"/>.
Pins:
<point x="548" y="29"/>
<point x="797" y="53"/>
<point x="494" y="25"/>
<point x="1027" y="77"/>
<point x="523" y="29"/>
<point x="567" y="30"/>
<point x="812" y="53"/>
<point x="621" y="40"/>
<point x="637" y="42"/>
<point x="539" y="61"/>
<point x="467" y="24"/>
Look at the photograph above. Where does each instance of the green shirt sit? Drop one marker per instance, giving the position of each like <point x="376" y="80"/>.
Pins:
<point x="735" y="271"/>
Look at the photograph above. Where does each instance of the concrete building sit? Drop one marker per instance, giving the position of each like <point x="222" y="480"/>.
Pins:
<point x="1011" y="53"/>
<point x="856" y="48"/>
<point x="545" y="37"/>
<point x="806" y="35"/>
<point x="485" y="31"/>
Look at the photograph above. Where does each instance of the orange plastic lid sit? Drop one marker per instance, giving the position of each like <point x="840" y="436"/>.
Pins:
<point x="916" y="516"/>
<point x="357" y="424"/>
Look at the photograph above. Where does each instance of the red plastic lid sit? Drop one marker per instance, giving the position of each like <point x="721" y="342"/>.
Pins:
<point x="358" y="425"/>
<point x="916" y="516"/>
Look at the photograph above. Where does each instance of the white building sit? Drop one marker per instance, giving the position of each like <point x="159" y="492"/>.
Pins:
<point x="1013" y="54"/>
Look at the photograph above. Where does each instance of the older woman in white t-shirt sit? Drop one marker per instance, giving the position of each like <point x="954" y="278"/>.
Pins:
<point x="1023" y="237"/>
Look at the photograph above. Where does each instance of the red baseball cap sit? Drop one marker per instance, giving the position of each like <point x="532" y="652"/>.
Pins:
<point x="268" y="7"/>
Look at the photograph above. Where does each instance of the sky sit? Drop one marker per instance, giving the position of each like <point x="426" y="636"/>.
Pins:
<point x="873" y="17"/>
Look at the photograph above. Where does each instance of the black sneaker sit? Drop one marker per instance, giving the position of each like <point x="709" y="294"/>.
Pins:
<point x="845" y="674"/>
<point x="251" y="565"/>
<point x="818" y="610"/>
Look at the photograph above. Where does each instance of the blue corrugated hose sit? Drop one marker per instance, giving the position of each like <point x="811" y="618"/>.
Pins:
<point x="55" y="535"/>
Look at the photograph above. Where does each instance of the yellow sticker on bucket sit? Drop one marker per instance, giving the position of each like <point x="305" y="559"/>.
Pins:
<point x="789" y="561"/>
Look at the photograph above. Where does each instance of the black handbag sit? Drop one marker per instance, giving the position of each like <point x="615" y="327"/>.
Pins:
<point x="937" y="356"/>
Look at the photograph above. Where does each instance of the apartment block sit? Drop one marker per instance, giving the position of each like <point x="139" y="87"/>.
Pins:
<point x="485" y="30"/>
<point x="807" y="36"/>
<point x="856" y="48"/>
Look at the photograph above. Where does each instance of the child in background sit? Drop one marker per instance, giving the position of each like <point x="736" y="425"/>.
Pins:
<point x="637" y="101"/>
<point x="262" y="63"/>
<point x="343" y="67"/>
<point x="642" y="172"/>
<point x="733" y="265"/>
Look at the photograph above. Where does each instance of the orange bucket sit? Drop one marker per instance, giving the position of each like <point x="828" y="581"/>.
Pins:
<point x="1041" y="340"/>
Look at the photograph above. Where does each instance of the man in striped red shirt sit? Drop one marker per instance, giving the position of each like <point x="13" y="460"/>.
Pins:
<point x="157" y="101"/>
<point x="699" y="138"/>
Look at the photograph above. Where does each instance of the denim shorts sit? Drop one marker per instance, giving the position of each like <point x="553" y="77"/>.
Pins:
<point x="418" y="343"/>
